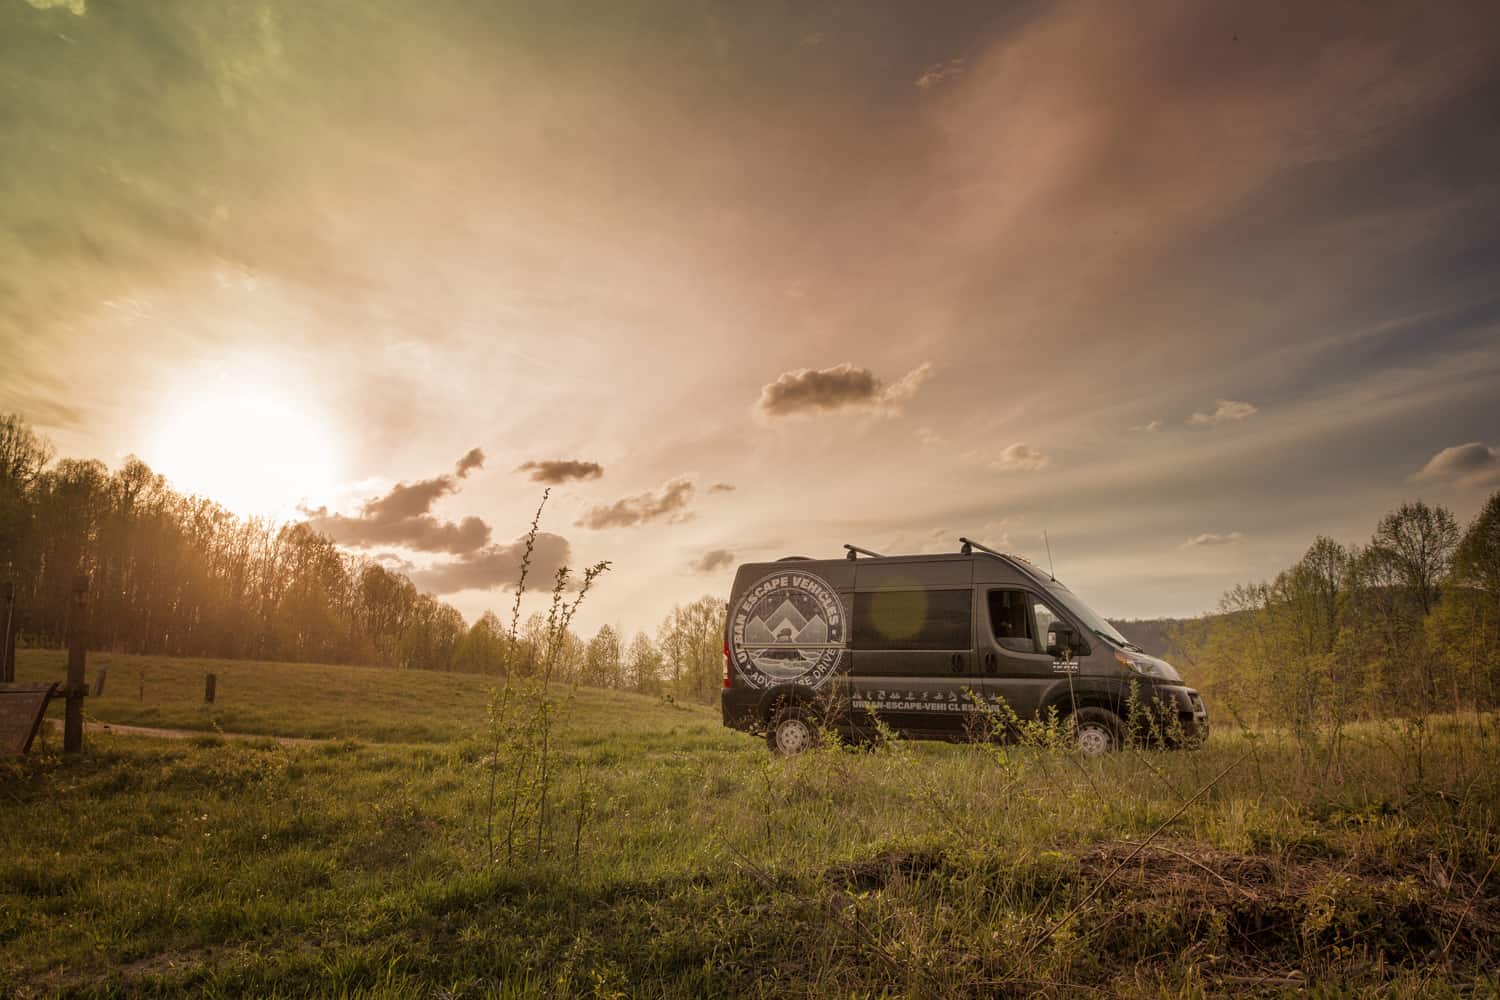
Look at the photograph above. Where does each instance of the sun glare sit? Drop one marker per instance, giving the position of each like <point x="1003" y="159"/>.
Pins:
<point x="253" y="449"/>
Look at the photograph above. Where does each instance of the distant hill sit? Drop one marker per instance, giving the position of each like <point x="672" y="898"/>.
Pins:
<point x="1151" y="634"/>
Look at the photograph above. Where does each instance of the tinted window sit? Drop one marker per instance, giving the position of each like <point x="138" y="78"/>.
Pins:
<point x="913" y="619"/>
<point x="1010" y="620"/>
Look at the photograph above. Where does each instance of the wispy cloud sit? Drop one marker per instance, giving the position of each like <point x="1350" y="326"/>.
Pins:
<point x="939" y="72"/>
<point x="1020" y="457"/>
<point x="666" y="503"/>
<point x="929" y="437"/>
<point x="1472" y="464"/>
<point x="712" y="561"/>
<point x="840" y="387"/>
<point x="556" y="471"/>
<point x="1225" y="411"/>
<point x="1213" y="538"/>
<point x="1150" y="427"/>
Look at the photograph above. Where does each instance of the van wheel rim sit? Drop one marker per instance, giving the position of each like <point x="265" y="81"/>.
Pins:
<point x="793" y="736"/>
<point x="1094" y="739"/>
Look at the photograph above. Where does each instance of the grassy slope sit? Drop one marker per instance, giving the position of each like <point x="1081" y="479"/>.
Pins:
<point x="706" y="868"/>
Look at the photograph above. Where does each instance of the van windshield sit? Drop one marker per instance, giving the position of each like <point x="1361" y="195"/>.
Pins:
<point x="1091" y="619"/>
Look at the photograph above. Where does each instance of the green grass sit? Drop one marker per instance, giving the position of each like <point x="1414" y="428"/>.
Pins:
<point x="309" y="700"/>
<point x="706" y="868"/>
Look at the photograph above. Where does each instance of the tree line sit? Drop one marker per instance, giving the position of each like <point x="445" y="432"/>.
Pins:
<point x="178" y="575"/>
<point x="1403" y="626"/>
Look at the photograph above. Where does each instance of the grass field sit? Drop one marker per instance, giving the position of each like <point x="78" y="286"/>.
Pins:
<point x="299" y="699"/>
<point x="702" y="867"/>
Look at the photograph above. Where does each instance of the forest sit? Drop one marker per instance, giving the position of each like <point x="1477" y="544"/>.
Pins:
<point x="1399" y="628"/>
<point x="178" y="575"/>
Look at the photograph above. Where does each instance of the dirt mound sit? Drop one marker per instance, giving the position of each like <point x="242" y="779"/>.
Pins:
<point x="1416" y="910"/>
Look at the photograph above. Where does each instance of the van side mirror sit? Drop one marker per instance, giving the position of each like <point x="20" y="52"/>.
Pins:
<point x="1061" y="639"/>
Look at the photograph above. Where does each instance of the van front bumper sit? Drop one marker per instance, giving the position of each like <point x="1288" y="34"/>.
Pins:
<point x="1184" y="705"/>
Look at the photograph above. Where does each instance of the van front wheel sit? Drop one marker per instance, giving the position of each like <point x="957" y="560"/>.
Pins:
<point x="792" y="731"/>
<point x="1096" y="730"/>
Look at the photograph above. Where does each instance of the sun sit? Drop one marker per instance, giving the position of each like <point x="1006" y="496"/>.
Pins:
<point x="254" y="449"/>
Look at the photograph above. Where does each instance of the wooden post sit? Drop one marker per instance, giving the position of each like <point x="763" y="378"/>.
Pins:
<point x="8" y="640"/>
<point x="99" y="681"/>
<point x="77" y="687"/>
<point x="208" y="689"/>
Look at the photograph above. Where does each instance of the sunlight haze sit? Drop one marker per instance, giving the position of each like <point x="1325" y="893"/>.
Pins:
<point x="1182" y="286"/>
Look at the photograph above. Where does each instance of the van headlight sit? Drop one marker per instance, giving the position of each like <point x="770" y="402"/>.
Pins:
<point x="1145" y="666"/>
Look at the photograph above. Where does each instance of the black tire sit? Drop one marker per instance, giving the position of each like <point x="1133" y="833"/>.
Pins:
<point x="793" y="730"/>
<point x="1097" y="731"/>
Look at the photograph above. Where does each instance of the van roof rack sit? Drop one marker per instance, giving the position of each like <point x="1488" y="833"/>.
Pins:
<point x="969" y="545"/>
<point x="855" y="552"/>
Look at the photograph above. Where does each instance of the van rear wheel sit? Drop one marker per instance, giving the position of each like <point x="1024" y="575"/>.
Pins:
<point x="792" y="731"/>
<point x="1097" y="731"/>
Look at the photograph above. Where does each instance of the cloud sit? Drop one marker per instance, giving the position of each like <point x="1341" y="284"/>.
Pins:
<point x="561" y="470"/>
<point x="1150" y="427"/>
<point x="496" y="567"/>
<point x="929" y="437"/>
<point x="938" y="72"/>
<point x="404" y="517"/>
<point x="1213" y="538"/>
<point x="722" y="488"/>
<point x="1472" y="464"/>
<point x="1020" y="458"/>
<point x="1225" y="411"/>
<point x="473" y="459"/>
<point x="395" y="563"/>
<point x="668" y="502"/>
<point x="712" y="561"/>
<point x="841" y="387"/>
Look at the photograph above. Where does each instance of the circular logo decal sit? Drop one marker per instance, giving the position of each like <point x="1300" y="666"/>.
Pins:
<point x="790" y="627"/>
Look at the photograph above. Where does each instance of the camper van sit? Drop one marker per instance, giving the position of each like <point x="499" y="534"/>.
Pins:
<point x="937" y="647"/>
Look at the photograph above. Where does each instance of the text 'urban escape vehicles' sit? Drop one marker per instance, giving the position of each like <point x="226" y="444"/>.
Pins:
<point x="973" y="644"/>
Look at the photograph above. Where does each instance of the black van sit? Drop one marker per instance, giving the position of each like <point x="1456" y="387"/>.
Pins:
<point x="931" y="644"/>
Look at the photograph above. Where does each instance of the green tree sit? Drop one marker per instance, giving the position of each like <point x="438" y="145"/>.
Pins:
<point x="1465" y="627"/>
<point x="691" y="639"/>
<point x="1419" y="542"/>
<point x="602" y="660"/>
<point x="643" y="664"/>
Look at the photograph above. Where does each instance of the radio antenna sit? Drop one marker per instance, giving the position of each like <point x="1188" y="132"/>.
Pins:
<point x="1051" y="570"/>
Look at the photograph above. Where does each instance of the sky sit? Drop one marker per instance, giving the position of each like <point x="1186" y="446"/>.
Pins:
<point x="1180" y="284"/>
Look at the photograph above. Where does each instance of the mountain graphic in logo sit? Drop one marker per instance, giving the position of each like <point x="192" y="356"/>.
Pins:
<point x="786" y="625"/>
<point x="786" y="621"/>
<point x="757" y="633"/>
<point x="815" y="632"/>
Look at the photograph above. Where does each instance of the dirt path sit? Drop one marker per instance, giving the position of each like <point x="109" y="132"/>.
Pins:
<point x="116" y="729"/>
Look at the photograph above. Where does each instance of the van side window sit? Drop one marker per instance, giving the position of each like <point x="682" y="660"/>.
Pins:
<point x="1010" y="619"/>
<point x="913" y="619"/>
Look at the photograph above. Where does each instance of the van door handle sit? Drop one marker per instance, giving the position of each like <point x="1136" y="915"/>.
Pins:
<point x="990" y="662"/>
<point x="958" y="663"/>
